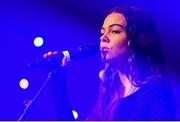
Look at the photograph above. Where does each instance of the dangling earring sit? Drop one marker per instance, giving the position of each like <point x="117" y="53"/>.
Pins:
<point x="130" y="61"/>
<point x="131" y="55"/>
<point x="129" y="42"/>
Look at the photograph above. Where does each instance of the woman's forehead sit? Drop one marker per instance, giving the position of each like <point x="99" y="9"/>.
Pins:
<point x="114" y="18"/>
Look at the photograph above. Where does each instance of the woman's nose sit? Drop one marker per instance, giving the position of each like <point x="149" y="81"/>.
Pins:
<point x="104" y="38"/>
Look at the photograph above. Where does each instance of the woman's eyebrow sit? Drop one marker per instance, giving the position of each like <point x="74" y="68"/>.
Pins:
<point x="116" y="25"/>
<point x="110" y="26"/>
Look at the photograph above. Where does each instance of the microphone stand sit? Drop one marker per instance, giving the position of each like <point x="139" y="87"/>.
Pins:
<point x="31" y="101"/>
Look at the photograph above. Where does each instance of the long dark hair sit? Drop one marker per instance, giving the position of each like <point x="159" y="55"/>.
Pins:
<point x="145" y="62"/>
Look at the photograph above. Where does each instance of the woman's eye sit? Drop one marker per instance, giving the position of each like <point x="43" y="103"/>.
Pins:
<point x="115" y="32"/>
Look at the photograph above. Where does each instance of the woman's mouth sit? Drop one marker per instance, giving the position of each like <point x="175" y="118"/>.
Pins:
<point x="104" y="50"/>
<point x="104" y="53"/>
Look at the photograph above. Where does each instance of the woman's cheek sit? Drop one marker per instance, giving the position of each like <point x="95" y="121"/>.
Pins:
<point x="118" y="52"/>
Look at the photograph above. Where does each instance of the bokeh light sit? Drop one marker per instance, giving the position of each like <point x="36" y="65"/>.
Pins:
<point x="38" y="41"/>
<point x="24" y="83"/>
<point x="75" y="114"/>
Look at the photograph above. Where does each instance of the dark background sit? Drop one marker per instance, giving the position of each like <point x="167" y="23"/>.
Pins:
<point x="65" y="24"/>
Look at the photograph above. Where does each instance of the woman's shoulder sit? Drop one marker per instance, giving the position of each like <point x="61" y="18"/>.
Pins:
<point x="158" y="87"/>
<point x="157" y="82"/>
<point x="160" y="99"/>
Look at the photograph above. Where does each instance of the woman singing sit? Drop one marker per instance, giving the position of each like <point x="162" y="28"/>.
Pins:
<point x="132" y="85"/>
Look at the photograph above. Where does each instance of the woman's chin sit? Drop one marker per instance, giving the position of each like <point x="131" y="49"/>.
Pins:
<point x="113" y="61"/>
<point x="107" y="60"/>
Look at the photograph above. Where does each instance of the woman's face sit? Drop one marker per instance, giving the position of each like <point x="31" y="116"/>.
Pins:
<point x="114" y="42"/>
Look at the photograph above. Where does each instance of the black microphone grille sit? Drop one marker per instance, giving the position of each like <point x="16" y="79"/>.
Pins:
<point x="85" y="51"/>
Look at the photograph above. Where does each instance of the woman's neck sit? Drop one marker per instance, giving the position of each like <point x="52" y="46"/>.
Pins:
<point x="120" y="66"/>
<point x="129" y="87"/>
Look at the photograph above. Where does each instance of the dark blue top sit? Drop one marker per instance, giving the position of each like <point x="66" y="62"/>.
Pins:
<point x="153" y="101"/>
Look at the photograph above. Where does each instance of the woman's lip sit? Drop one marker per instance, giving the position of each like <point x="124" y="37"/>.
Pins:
<point x="105" y="49"/>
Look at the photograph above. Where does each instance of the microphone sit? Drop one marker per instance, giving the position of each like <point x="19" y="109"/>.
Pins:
<point x="56" y="59"/>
